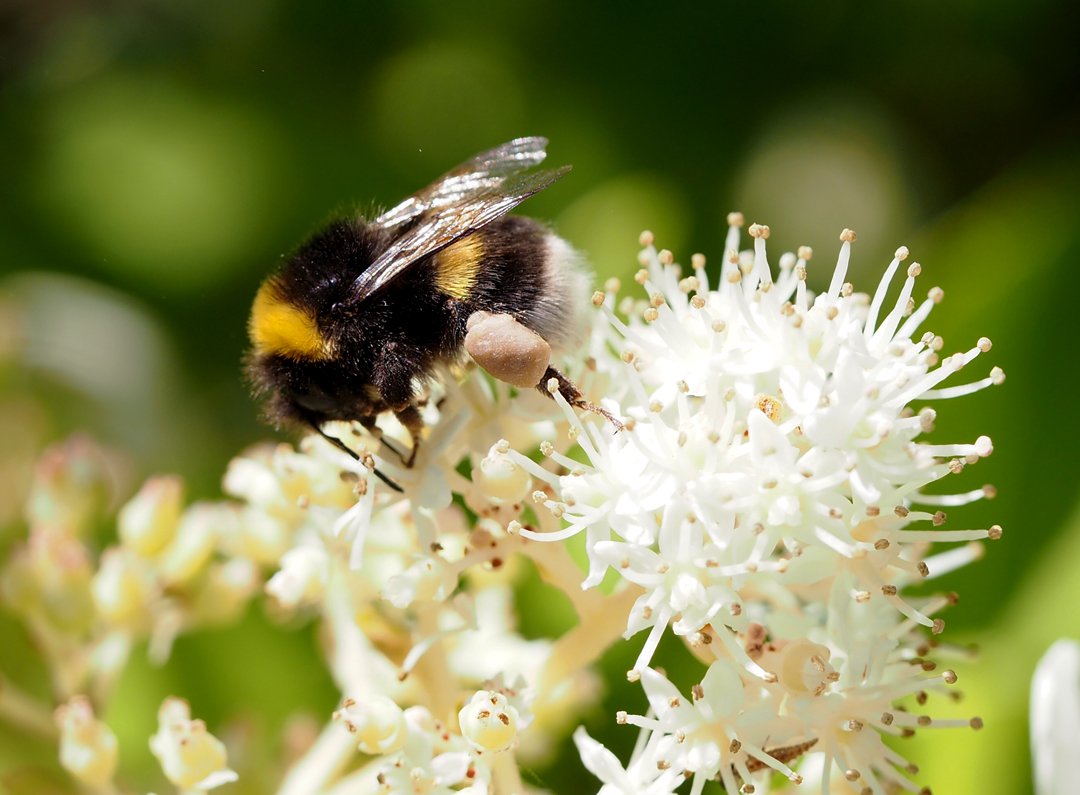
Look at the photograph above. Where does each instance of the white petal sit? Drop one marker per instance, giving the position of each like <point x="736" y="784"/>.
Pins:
<point x="1055" y="720"/>
<point x="597" y="759"/>
<point x="660" y="692"/>
<point x="723" y="689"/>
<point x="450" y="768"/>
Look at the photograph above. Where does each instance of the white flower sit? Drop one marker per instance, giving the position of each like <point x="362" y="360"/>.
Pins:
<point x="433" y="761"/>
<point x="491" y="647"/>
<point x="1055" y="719"/>
<point x="428" y="579"/>
<point x="498" y="476"/>
<point x="649" y="772"/>
<point x="196" y="539"/>
<point x="717" y="733"/>
<point x="768" y="499"/>
<point x="124" y="588"/>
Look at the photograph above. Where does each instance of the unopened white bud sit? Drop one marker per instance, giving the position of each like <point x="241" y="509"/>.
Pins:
<point x="194" y="543"/>
<point x="49" y="578"/>
<point x="190" y="756"/>
<point x="498" y="476"/>
<point x="88" y="748"/>
<point x="149" y="520"/>
<point x="224" y="591"/>
<point x="302" y="577"/>
<point x="377" y="722"/>
<point x="124" y="588"/>
<point x="488" y="721"/>
<point x="427" y="580"/>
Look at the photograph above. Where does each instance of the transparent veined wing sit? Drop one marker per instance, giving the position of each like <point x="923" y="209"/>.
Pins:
<point x="486" y="198"/>
<point x="479" y="173"/>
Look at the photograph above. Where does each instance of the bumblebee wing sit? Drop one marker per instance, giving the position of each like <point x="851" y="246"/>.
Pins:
<point x="448" y="223"/>
<point x="482" y="172"/>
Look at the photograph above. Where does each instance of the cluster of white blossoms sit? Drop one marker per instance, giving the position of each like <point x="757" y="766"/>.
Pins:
<point x="86" y="608"/>
<point x="767" y="498"/>
<point x="767" y="501"/>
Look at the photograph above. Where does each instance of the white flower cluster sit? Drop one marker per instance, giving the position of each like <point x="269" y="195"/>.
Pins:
<point x="766" y="502"/>
<point x="766" y="497"/>
<point x="168" y="573"/>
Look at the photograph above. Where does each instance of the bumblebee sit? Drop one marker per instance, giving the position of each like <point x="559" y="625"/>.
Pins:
<point x="364" y="312"/>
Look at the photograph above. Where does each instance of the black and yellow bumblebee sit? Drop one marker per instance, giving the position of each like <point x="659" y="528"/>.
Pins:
<point x="364" y="312"/>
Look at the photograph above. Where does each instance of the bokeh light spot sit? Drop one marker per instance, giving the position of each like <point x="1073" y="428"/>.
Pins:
<point x="606" y="221"/>
<point x="827" y="165"/>
<point x="445" y="98"/>
<point x="160" y="184"/>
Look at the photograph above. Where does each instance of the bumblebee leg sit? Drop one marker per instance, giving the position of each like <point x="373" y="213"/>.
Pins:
<point x="370" y="423"/>
<point x="507" y="349"/>
<point x="573" y="396"/>
<point x="340" y="445"/>
<point x="411" y="418"/>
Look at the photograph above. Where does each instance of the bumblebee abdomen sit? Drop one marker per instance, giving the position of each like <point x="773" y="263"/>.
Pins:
<point x="560" y="315"/>
<point x="523" y="269"/>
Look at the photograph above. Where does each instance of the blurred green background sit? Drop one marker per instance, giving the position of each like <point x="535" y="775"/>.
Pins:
<point x="159" y="158"/>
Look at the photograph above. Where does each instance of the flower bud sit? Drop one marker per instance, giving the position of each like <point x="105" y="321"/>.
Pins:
<point x="489" y="722"/>
<point x="71" y="486"/>
<point x="1055" y="716"/>
<point x="250" y="478"/>
<point x="123" y="588"/>
<point x="224" y="591"/>
<point x="194" y="542"/>
<point x="48" y="579"/>
<point x="377" y="722"/>
<point x="302" y="577"/>
<point x="427" y="580"/>
<point x="498" y="476"/>
<point x="88" y="748"/>
<point x="190" y="756"/>
<point x="258" y="536"/>
<point x="148" y="521"/>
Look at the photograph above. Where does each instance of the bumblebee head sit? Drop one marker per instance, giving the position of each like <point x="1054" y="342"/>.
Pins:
<point x="309" y="359"/>
<point x="289" y="354"/>
<point x="305" y="394"/>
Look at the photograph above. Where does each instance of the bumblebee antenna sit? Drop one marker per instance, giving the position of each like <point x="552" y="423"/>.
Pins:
<point x="340" y="445"/>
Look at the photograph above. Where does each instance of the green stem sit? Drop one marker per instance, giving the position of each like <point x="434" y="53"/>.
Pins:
<point x="601" y="622"/>
<point x="432" y="671"/>
<point x="321" y="763"/>
<point x="360" y="782"/>
<point x="505" y="775"/>
<point x="25" y="712"/>
<point x="558" y="569"/>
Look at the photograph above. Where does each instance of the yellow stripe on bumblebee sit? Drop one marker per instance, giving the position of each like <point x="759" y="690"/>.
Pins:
<point x="278" y="327"/>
